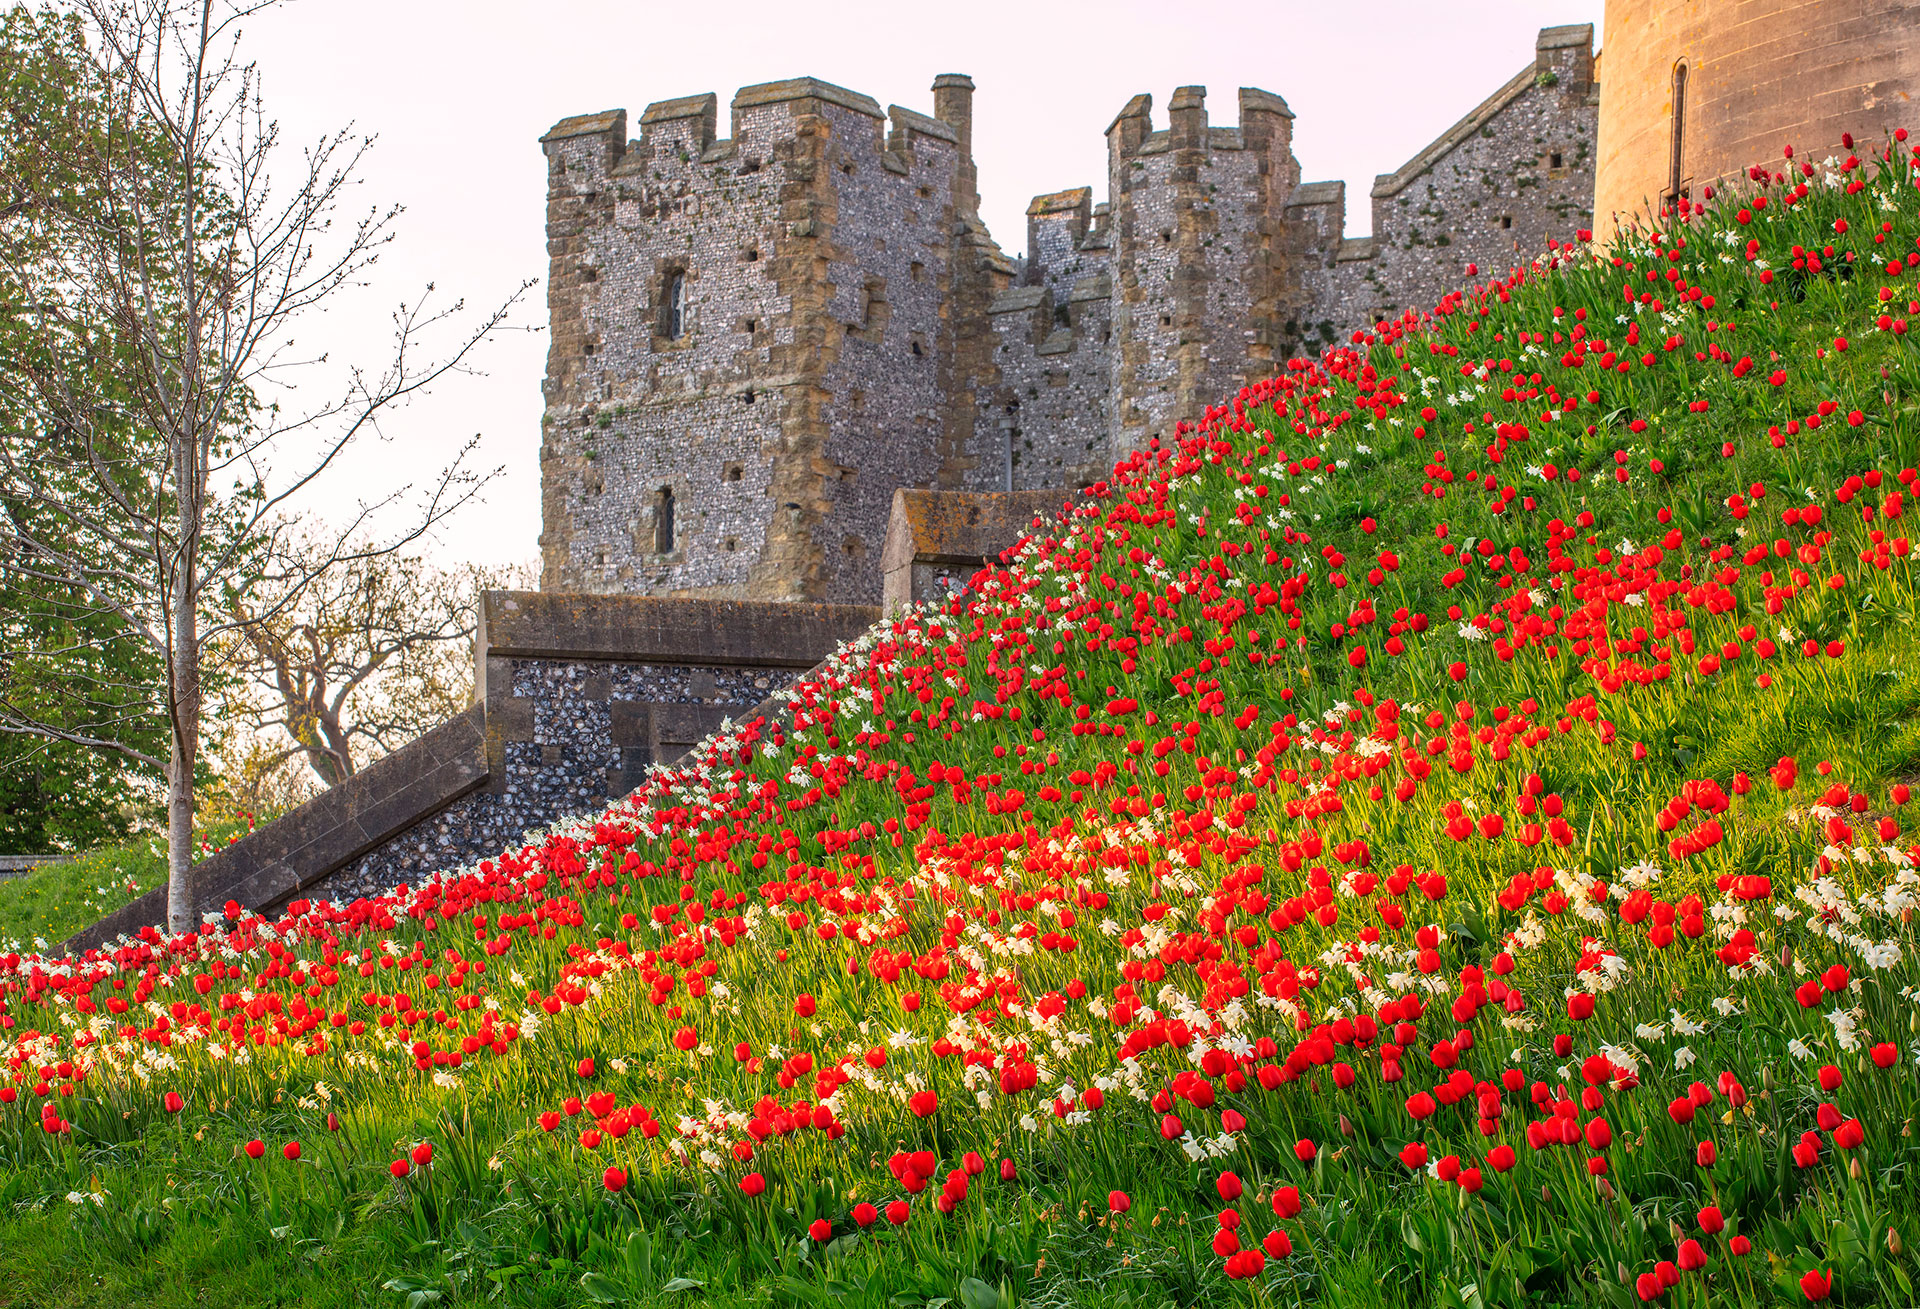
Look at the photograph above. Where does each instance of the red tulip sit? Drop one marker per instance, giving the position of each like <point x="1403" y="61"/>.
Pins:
<point x="1885" y="1054"/>
<point x="1228" y="1185"/>
<point x="291" y="1150"/>
<point x="172" y="1102"/>
<point x="585" y="1068"/>
<point x="1118" y="1202"/>
<point x="1817" y="1286"/>
<point x="1277" y="1244"/>
<point x="1829" y="1078"/>
<point x="1304" y="1150"/>
<point x="255" y="1149"/>
<point x="1286" y="1201"/>
<point x="1704" y="1154"/>
<point x="1007" y="1171"/>
<point x="865" y="1214"/>
<point x="897" y="1213"/>
<point x="753" y="1184"/>
<point x="399" y="1167"/>
<point x="1691" y="1256"/>
<point x="819" y="1229"/>
<point x="1740" y="1245"/>
<point x="614" y="1179"/>
<point x="1711" y="1221"/>
<point x="422" y="1154"/>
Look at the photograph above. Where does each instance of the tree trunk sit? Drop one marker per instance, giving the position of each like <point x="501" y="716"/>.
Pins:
<point x="183" y="679"/>
<point x="183" y="676"/>
<point x="180" y="898"/>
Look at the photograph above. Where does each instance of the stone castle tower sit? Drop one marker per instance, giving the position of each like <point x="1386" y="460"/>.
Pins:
<point x="1700" y="91"/>
<point x="758" y="339"/>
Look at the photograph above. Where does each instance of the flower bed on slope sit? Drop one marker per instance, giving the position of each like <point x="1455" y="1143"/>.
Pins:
<point x="1430" y="834"/>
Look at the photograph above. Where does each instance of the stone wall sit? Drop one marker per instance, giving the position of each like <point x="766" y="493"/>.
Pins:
<point x="850" y="328"/>
<point x="1196" y="214"/>
<point x="1491" y="190"/>
<point x="822" y="248"/>
<point x="578" y="696"/>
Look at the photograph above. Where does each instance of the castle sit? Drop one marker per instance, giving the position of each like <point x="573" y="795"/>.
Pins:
<point x="758" y="338"/>
<point x="792" y="365"/>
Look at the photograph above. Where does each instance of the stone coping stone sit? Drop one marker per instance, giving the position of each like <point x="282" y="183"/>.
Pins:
<point x="330" y="831"/>
<point x="654" y="630"/>
<point x="806" y="88"/>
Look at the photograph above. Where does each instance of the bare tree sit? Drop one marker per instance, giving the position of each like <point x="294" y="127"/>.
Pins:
<point x="157" y="269"/>
<point x="372" y="653"/>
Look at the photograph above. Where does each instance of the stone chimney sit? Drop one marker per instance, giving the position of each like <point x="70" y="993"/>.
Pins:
<point x="953" y="105"/>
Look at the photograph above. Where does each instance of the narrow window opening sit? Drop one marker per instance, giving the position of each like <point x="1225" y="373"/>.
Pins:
<point x="753" y="256"/>
<point x="1553" y="160"/>
<point x="732" y="474"/>
<point x="746" y="397"/>
<point x="1506" y="221"/>
<point x="1677" y="149"/>
<point x="673" y="306"/>
<point x="663" y="520"/>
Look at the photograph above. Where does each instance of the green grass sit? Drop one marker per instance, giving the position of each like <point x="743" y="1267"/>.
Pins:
<point x="56" y="900"/>
<point x="1245" y="846"/>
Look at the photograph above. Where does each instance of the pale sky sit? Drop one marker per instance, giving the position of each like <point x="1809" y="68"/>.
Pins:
<point x="458" y="93"/>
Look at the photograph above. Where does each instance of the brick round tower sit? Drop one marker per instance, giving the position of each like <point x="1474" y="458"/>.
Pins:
<point x="1698" y="90"/>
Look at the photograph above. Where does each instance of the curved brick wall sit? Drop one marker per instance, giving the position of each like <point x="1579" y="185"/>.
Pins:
<point x="1761" y="74"/>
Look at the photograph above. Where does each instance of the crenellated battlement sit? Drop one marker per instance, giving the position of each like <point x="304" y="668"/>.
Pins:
<point x="758" y="337"/>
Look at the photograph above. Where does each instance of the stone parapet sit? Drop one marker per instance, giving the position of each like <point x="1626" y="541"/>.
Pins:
<point x="300" y="849"/>
<point x="937" y="539"/>
<point x="578" y="697"/>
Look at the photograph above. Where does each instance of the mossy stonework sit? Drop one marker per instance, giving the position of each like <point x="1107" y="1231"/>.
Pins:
<point x="758" y="339"/>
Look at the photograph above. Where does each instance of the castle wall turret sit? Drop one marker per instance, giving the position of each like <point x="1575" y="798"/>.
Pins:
<point x="1197" y="215"/>
<point x="751" y="338"/>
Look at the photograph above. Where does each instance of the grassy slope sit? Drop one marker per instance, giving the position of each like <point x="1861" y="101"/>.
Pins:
<point x="1372" y="1230"/>
<point x="55" y="901"/>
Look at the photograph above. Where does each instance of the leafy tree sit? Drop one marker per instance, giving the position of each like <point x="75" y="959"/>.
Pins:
<point x="155" y="272"/>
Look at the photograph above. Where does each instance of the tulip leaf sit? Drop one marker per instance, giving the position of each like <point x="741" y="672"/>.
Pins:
<point x="600" y="1289"/>
<point x="639" y="1258"/>
<point x="683" y="1284"/>
<point x="976" y="1294"/>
